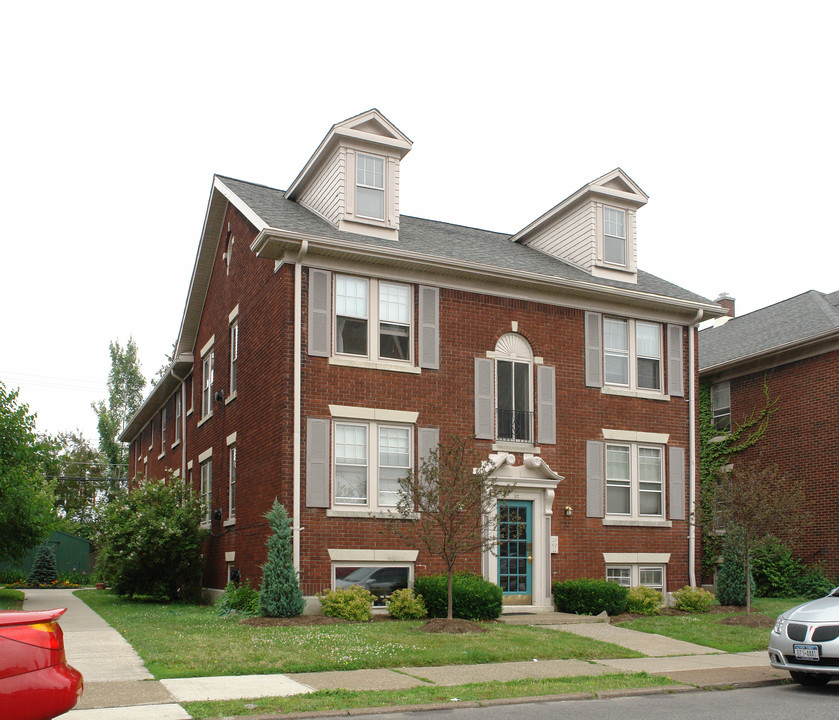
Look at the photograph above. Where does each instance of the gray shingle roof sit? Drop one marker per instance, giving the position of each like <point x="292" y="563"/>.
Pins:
<point x="442" y="240"/>
<point x="800" y="318"/>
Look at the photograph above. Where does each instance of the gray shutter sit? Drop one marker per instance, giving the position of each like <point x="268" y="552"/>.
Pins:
<point x="427" y="440"/>
<point x="320" y="312"/>
<point x="677" y="483"/>
<point x="546" y="404"/>
<point x="594" y="350"/>
<point x="595" y="479"/>
<point x="429" y="327"/>
<point x="484" y="399"/>
<point x="317" y="462"/>
<point x="675" y="374"/>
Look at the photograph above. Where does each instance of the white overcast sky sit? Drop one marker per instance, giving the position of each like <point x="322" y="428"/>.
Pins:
<point x="116" y="115"/>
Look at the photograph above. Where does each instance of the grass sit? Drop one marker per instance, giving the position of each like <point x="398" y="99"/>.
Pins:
<point x="708" y="628"/>
<point x="178" y="640"/>
<point x="11" y="599"/>
<point x="325" y="700"/>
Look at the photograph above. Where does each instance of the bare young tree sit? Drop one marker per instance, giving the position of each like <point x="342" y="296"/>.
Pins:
<point x="448" y="506"/>
<point x="753" y="501"/>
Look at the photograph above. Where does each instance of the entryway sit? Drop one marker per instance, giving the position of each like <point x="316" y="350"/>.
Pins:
<point x="515" y="551"/>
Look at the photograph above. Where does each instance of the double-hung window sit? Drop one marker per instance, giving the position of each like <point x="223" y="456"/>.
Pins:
<point x="207" y="384"/>
<point x="370" y="186"/>
<point x="234" y="355"/>
<point x="178" y="416"/>
<point x="632" y="352"/>
<point x="634" y="480"/>
<point x="614" y="236"/>
<point x="206" y="488"/>
<point x="163" y="431"/>
<point x="370" y="459"/>
<point x="231" y="497"/>
<point x="635" y="575"/>
<point x="386" y="307"/>
<point x="721" y="406"/>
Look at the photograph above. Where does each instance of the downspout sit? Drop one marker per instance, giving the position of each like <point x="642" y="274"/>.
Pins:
<point x="298" y="372"/>
<point x="692" y="432"/>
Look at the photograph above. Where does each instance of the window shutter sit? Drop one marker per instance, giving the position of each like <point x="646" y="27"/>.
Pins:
<point x="595" y="480"/>
<point x="320" y="312"/>
<point x="594" y="350"/>
<point x="317" y="462"/>
<point x="546" y="404"/>
<point x="484" y="399"/>
<point x="429" y="327"/>
<point x="675" y="374"/>
<point x="677" y="483"/>
<point x="427" y="440"/>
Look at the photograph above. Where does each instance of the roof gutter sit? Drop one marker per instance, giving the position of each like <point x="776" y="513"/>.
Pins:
<point x="692" y="452"/>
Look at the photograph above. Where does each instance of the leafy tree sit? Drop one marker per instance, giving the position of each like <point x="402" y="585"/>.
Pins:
<point x="161" y="371"/>
<point x="449" y="506"/>
<point x="27" y="513"/>
<point x="280" y="595"/>
<point x="752" y="502"/>
<point x="152" y="541"/>
<point x="125" y="395"/>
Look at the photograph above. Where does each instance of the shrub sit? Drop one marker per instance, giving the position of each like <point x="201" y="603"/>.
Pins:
<point x="280" y="595"/>
<point x="473" y="598"/>
<point x="241" y="598"/>
<point x="43" y="570"/>
<point x="351" y="603"/>
<point x="731" y="578"/>
<point x="11" y="577"/>
<point x="590" y="597"/>
<point x="813" y="583"/>
<point x="74" y="577"/>
<point x="404" y="605"/>
<point x="693" y="600"/>
<point x="775" y="569"/>
<point x="152" y="541"/>
<point x="643" y="601"/>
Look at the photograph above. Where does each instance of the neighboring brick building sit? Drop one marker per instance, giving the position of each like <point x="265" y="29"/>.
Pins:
<point x="328" y="343"/>
<point x="791" y="347"/>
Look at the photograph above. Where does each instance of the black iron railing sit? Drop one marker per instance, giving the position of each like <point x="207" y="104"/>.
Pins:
<point x="514" y="425"/>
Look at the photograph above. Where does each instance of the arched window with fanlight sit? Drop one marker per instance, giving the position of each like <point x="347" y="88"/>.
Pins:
<point x="513" y="389"/>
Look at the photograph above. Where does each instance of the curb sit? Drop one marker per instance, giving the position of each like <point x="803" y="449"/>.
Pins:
<point x="474" y="704"/>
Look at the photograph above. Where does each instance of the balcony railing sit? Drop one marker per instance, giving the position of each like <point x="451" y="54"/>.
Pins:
<point x="514" y="425"/>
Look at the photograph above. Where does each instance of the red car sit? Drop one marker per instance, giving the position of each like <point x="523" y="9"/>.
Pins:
<point x="36" y="683"/>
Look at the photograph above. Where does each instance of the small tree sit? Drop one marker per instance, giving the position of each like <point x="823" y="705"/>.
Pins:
<point x="280" y="595"/>
<point x="44" y="570"/>
<point x="751" y="502"/>
<point x="449" y="506"/>
<point x="152" y="541"/>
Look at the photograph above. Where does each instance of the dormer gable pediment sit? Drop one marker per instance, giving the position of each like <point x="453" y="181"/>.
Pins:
<point x="352" y="179"/>
<point x="593" y="228"/>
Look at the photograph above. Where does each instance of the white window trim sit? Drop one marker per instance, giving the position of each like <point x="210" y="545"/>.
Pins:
<point x="382" y="189"/>
<point x="179" y="409"/>
<point x="372" y="359"/>
<point x="162" y="433"/>
<point x="714" y="408"/>
<point x="634" y="516"/>
<point x="234" y="358"/>
<point x="408" y="564"/>
<point x="372" y="506"/>
<point x="635" y="573"/>
<point x="631" y="389"/>
<point x="610" y="263"/>
<point x="231" y="481"/>
<point x="207" y="355"/>
<point x="206" y="497"/>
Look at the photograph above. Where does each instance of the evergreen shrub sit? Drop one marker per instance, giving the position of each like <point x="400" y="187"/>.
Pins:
<point x="813" y="584"/>
<point x="643" y="601"/>
<point x="731" y="577"/>
<point x="280" y="595"/>
<point x="350" y="603"/>
<point x="403" y="604"/>
<point x="775" y="569"/>
<point x="473" y="598"/>
<point x="590" y="597"/>
<point x="693" y="599"/>
<point x="44" y="571"/>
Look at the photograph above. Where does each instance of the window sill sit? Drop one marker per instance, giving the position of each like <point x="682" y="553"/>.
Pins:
<point x="205" y="524"/>
<point x="230" y="399"/>
<point x="175" y="444"/>
<point x="229" y="522"/>
<point x="637" y="522"/>
<point x="515" y="447"/>
<point x="204" y="419"/>
<point x="366" y="513"/>
<point x="375" y="365"/>
<point x="626" y="392"/>
<point x="161" y="456"/>
<point x="189" y="412"/>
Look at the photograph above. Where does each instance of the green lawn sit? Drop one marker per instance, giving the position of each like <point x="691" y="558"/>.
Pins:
<point x="709" y="628"/>
<point x="192" y="641"/>
<point x="10" y="599"/>
<point x="325" y="700"/>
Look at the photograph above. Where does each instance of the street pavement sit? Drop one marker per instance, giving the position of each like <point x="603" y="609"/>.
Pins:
<point x="119" y="687"/>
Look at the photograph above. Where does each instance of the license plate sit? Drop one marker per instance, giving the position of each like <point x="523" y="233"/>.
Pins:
<point x="806" y="652"/>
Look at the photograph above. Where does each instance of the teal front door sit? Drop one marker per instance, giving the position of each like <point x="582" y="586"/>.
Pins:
<point x="515" y="551"/>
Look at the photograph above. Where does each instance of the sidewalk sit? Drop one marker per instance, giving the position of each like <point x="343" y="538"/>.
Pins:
<point x="118" y="686"/>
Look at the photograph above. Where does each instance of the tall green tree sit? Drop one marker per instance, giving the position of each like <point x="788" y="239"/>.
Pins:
<point x="27" y="513"/>
<point x="280" y="595"/>
<point x="125" y="395"/>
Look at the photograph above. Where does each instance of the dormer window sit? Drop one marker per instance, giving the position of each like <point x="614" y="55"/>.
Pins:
<point x="370" y="186"/>
<point x="614" y="236"/>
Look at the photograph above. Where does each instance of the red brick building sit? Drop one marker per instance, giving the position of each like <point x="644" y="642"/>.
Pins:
<point x="329" y="343"/>
<point x="791" y="348"/>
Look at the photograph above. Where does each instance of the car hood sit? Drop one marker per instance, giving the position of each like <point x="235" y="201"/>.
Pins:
<point x="822" y="610"/>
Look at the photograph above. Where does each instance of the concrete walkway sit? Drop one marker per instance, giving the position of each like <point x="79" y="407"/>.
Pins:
<point x="119" y="687"/>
